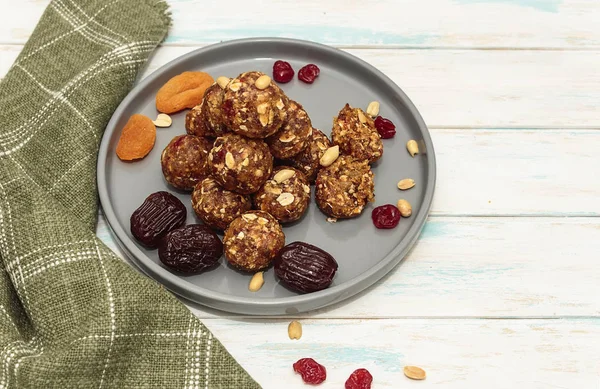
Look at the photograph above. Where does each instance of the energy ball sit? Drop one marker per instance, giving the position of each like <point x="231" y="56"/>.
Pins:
<point x="216" y="206"/>
<point x="344" y="188"/>
<point x="206" y="119"/>
<point x="185" y="161"/>
<point x="354" y="131"/>
<point x="308" y="160"/>
<point x="253" y="108"/>
<point x="253" y="240"/>
<point x="239" y="164"/>
<point x="285" y="195"/>
<point x="295" y="134"/>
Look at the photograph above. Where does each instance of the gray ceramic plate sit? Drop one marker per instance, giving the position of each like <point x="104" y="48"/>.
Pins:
<point x="364" y="253"/>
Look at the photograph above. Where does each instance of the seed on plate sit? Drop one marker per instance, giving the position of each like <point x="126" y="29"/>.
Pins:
<point x="262" y="82"/>
<point x="295" y="330"/>
<point x="283" y="175"/>
<point x="223" y="81"/>
<point x="163" y="120"/>
<point x="330" y="156"/>
<point x="414" y="372"/>
<point x="256" y="282"/>
<point x="404" y="207"/>
<point x="406" y="183"/>
<point x="412" y="147"/>
<point x="373" y="109"/>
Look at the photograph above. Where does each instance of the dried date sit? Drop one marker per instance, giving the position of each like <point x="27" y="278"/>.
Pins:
<point x="160" y="213"/>
<point x="305" y="268"/>
<point x="190" y="249"/>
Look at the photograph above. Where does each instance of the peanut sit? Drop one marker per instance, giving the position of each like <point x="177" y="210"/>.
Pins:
<point x="373" y="109"/>
<point x="406" y="183"/>
<point x="223" y="81"/>
<point x="295" y="330"/>
<point x="330" y="156"/>
<point x="256" y="282"/>
<point x="283" y="175"/>
<point x="163" y="120"/>
<point x="412" y="147"/>
<point x="229" y="161"/>
<point x="361" y="116"/>
<point x="404" y="207"/>
<point x="263" y="82"/>
<point x="414" y="372"/>
<point x="285" y="199"/>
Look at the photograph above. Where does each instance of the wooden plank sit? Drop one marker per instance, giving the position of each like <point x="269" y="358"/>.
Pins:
<point x="395" y="23"/>
<point x="477" y="89"/>
<point x="482" y="267"/>
<point x="517" y="172"/>
<point x="461" y="354"/>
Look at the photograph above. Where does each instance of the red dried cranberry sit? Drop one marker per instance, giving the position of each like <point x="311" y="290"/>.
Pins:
<point x="359" y="379"/>
<point x="308" y="73"/>
<point x="385" y="127"/>
<point x="227" y="108"/>
<point x="310" y="370"/>
<point x="386" y="216"/>
<point x="282" y="71"/>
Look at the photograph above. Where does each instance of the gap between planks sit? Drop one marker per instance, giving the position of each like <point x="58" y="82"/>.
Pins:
<point x="384" y="47"/>
<point x="275" y="319"/>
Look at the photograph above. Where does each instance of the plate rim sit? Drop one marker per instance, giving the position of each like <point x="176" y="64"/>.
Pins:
<point x="238" y="304"/>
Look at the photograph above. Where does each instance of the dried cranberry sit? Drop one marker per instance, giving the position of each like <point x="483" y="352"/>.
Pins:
<point x="282" y="71"/>
<point x="308" y="73"/>
<point x="310" y="370"/>
<point x="385" y="127"/>
<point x="359" y="379"/>
<point x="386" y="216"/>
<point x="227" y="108"/>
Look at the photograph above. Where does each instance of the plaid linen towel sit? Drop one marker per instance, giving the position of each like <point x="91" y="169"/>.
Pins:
<point x="72" y="314"/>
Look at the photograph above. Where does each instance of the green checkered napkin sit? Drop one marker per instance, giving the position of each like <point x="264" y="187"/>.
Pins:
<point x="72" y="315"/>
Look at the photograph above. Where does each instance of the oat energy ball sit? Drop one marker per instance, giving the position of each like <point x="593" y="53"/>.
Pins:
<point x="344" y="188"/>
<point x="185" y="161"/>
<point x="285" y="195"/>
<point x="253" y="240"/>
<point x="308" y="160"/>
<point x="294" y="135"/>
<point x="251" y="110"/>
<point x="206" y="119"/>
<point x="217" y="207"/>
<point x="354" y="131"/>
<point x="239" y="164"/>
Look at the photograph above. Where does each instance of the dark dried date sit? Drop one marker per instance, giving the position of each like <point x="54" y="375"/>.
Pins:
<point x="160" y="213"/>
<point x="190" y="249"/>
<point x="305" y="268"/>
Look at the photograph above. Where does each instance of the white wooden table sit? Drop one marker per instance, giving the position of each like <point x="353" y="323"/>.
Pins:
<point x="503" y="288"/>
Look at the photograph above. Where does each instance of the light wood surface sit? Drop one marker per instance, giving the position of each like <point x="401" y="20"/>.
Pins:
<point x="502" y="290"/>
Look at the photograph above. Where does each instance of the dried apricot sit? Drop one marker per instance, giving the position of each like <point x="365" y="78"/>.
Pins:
<point x="137" y="138"/>
<point x="183" y="91"/>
